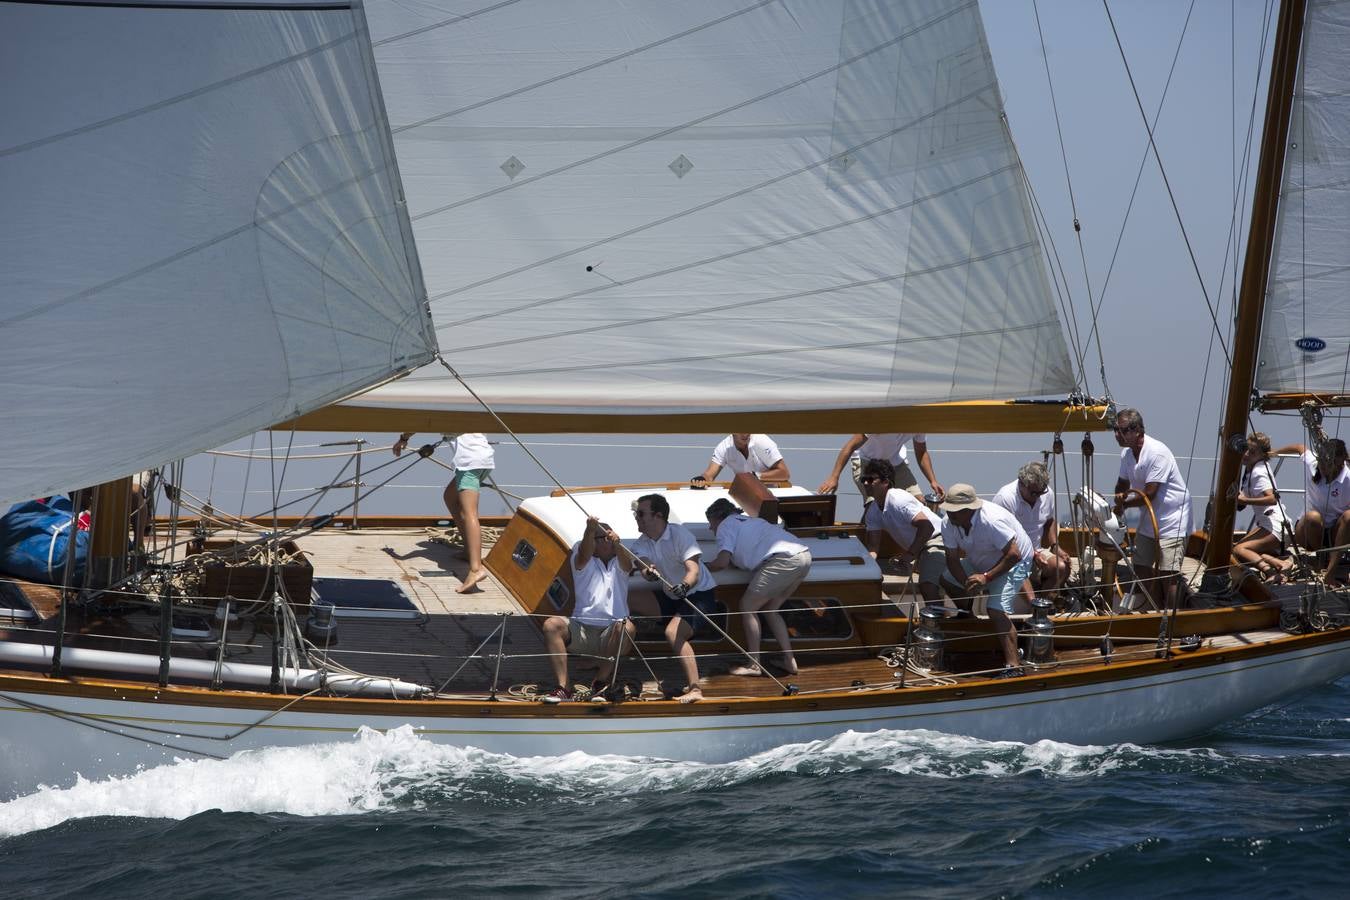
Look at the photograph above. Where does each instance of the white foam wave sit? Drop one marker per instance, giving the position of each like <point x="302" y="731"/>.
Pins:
<point x="399" y="769"/>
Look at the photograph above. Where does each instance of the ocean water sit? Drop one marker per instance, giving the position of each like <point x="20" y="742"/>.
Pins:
<point x="1258" y="808"/>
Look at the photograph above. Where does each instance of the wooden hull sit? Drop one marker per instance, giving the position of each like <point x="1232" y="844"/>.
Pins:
<point x="57" y="728"/>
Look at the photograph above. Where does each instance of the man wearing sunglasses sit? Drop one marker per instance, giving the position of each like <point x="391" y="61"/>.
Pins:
<point x="1148" y="469"/>
<point x="916" y="529"/>
<point x="1029" y="499"/>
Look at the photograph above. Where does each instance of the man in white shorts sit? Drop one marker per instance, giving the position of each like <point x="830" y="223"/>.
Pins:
<point x="778" y="564"/>
<point x="1029" y="499"/>
<point x="599" y="619"/>
<point x="998" y="559"/>
<point x="910" y="524"/>
<point x="860" y="448"/>
<point x="753" y="453"/>
<point x="1148" y="469"/>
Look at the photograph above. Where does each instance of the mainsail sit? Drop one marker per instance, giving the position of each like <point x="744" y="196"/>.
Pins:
<point x="202" y="231"/>
<point x="1305" y="336"/>
<point x="645" y="207"/>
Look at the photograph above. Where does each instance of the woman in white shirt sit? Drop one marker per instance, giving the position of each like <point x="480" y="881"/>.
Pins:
<point x="1260" y="547"/>
<point x="473" y="460"/>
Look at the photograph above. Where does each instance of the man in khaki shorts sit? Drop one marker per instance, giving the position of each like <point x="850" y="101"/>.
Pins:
<point x="778" y="564"/>
<point x="599" y="619"/>
<point x="1148" y="469"/>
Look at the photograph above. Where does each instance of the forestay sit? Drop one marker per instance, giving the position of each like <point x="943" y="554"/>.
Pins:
<point x="645" y="206"/>
<point x="1305" y="338"/>
<point x="200" y="232"/>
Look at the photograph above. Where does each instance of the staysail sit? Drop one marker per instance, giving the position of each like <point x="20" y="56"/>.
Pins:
<point x="202" y="232"/>
<point x="1305" y="336"/>
<point x="645" y="207"/>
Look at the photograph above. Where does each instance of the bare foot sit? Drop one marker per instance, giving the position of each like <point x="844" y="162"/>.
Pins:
<point x="692" y="694"/>
<point x="471" y="581"/>
<point x="747" y="671"/>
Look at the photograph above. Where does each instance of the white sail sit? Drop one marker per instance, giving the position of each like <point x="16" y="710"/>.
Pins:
<point x="711" y="206"/>
<point x="1305" y="337"/>
<point x="200" y="236"/>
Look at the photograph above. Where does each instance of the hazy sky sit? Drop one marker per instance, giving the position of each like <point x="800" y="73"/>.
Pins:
<point x="1156" y="328"/>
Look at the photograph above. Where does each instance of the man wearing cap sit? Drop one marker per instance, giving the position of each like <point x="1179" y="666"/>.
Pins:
<point x="998" y="559"/>
<point x="600" y="616"/>
<point x="1148" y="469"/>
<point x="1029" y="499"/>
<point x="860" y="448"/>
<point x="910" y="524"/>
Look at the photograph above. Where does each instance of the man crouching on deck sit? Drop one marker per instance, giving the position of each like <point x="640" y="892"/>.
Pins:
<point x="998" y="558"/>
<point x="600" y="617"/>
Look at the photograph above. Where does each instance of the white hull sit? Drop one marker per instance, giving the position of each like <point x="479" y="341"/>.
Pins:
<point x="50" y="738"/>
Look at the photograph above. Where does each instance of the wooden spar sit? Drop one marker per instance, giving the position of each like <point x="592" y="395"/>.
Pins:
<point x="1255" y="273"/>
<point x="1281" y="402"/>
<point x="966" y="417"/>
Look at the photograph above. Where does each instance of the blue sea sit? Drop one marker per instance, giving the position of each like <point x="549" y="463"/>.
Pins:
<point x="1258" y="808"/>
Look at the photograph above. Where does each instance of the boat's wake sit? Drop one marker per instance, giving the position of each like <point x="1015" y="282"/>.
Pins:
<point x="400" y="770"/>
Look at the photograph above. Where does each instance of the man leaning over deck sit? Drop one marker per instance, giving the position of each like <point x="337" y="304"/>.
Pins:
<point x="599" y="619"/>
<point x="1148" y="469"/>
<point x="672" y="551"/>
<point x="998" y="559"/>
<point x="745" y="452"/>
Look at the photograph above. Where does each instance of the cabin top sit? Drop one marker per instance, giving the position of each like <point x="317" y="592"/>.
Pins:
<point x="561" y="516"/>
<point x="835" y="558"/>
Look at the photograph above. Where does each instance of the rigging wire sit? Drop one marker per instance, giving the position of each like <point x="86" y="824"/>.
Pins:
<point x="1176" y="210"/>
<point x="1073" y="203"/>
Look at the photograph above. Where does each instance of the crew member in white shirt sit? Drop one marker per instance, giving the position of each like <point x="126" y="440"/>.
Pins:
<point x="600" y="568"/>
<point x="1029" y="499"/>
<point x="778" y="564"/>
<point x="668" y="551"/>
<point x="859" y="448"/>
<point x="1260" y="547"/>
<point x="1326" y="502"/>
<point x="473" y="460"/>
<point x="915" y="528"/>
<point x="998" y="559"/>
<point x="753" y="453"/>
<point x="1148" y="469"/>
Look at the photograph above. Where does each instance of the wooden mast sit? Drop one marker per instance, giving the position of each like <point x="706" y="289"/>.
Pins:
<point x="1255" y="273"/>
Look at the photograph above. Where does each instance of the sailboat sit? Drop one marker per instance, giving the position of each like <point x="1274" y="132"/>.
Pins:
<point x="637" y="218"/>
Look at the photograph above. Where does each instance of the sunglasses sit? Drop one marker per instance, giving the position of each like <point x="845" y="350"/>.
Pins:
<point x="1126" y="430"/>
<point x="868" y="479"/>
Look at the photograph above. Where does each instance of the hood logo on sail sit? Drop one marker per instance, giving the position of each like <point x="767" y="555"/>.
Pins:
<point x="1310" y="344"/>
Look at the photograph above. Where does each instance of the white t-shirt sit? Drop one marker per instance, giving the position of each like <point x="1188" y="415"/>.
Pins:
<point x="899" y="515"/>
<point x="760" y="456"/>
<point x="602" y="591"/>
<point x="669" y="553"/>
<point x="1328" y="499"/>
<point x="1031" y="516"/>
<point x="472" y="451"/>
<point x="1261" y="480"/>
<point x="890" y="447"/>
<point x="1172" y="504"/>
<point x="751" y="541"/>
<point x="990" y="530"/>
